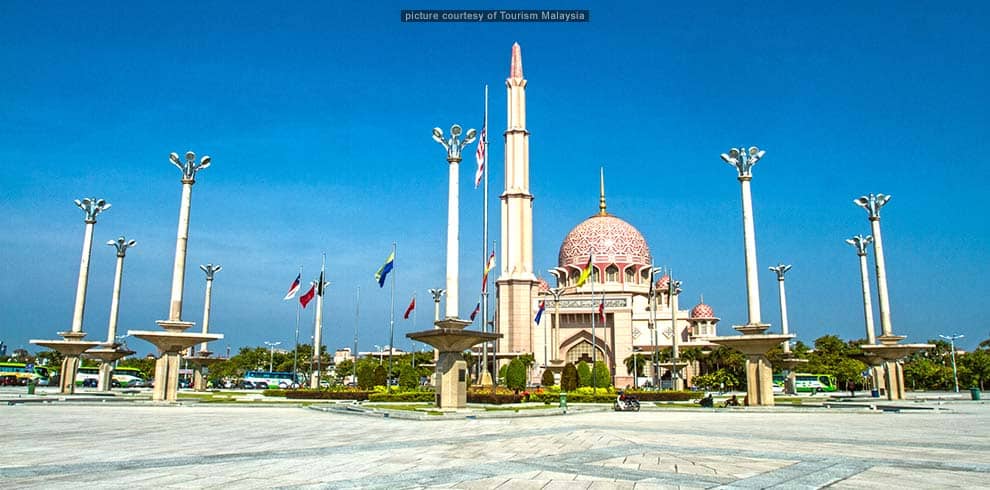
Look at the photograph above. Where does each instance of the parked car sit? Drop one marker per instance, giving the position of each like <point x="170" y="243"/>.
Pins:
<point x="137" y="383"/>
<point x="90" y="383"/>
<point x="245" y="385"/>
<point x="260" y="385"/>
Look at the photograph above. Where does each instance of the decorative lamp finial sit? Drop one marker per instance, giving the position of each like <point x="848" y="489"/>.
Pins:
<point x="601" y="198"/>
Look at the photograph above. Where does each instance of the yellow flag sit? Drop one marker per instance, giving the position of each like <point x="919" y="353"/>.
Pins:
<point x="585" y="274"/>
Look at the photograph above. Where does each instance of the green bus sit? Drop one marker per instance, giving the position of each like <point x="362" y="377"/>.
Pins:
<point x="21" y="374"/>
<point x="809" y="383"/>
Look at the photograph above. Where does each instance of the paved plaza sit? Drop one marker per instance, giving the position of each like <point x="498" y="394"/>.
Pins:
<point x="140" y="445"/>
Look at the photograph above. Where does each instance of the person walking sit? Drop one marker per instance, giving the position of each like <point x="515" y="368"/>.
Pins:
<point x="851" y="386"/>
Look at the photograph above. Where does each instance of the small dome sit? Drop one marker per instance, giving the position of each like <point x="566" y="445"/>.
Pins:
<point x="608" y="238"/>
<point x="663" y="283"/>
<point x="543" y="285"/>
<point x="701" y="310"/>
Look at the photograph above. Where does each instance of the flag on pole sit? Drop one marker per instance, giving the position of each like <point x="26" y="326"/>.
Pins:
<point x="412" y="306"/>
<point x="306" y="298"/>
<point x="539" y="312"/>
<point x="585" y="273"/>
<point x="320" y="285"/>
<point x="480" y="155"/>
<point x="384" y="270"/>
<point x="488" y="268"/>
<point x="293" y="289"/>
<point x="601" y="310"/>
<point x="474" y="313"/>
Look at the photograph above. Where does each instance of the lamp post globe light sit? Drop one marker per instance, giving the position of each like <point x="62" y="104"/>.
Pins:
<point x="453" y="145"/>
<point x="743" y="160"/>
<point x="271" y="359"/>
<point x="861" y="243"/>
<point x="872" y="204"/>
<point x="780" y="270"/>
<point x="952" y="344"/>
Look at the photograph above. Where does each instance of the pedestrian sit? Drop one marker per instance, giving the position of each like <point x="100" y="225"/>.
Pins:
<point x="851" y="386"/>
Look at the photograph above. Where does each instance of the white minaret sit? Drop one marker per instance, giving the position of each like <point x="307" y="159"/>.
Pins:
<point x="516" y="282"/>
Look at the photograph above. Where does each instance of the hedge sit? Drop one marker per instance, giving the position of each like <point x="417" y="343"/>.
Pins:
<point x="324" y="395"/>
<point x="403" y="396"/>
<point x="665" y="396"/>
<point x="490" y="398"/>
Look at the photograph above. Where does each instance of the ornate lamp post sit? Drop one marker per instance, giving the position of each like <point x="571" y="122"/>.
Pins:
<point x="861" y="243"/>
<point x="744" y="161"/>
<point x="674" y="289"/>
<point x="111" y="352"/>
<point x="555" y="336"/>
<point x="175" y="339"/>
<point x="780" y="270"/>
<point x="72" y="345"/>
<point x="453" y="145"/>
<point x="654" y="338"/>
<point x="202" y="358"/>
<point x="952" y="343"/>
<point x="889" y="350"/>
<point x="753" y="342"/>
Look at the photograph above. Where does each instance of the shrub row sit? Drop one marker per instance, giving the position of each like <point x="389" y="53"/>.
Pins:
<point x="490" y="398"/>
<point x="403" y="396"/>
<point x="326" y="395"/>
<point x="665" y="396"/>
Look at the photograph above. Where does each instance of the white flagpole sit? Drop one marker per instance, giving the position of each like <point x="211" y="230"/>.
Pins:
<point x="484" y="253"/>
<point x="357" y="316"/>
<point x="295" y="353"/>
<point x="391" y="324"/>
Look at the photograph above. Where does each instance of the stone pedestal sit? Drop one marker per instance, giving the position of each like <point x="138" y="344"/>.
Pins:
<point x="107" y="354"/>
<point x="201" y="360"/>
<point x="675" y="373"/>
<point x="451" y="340"/>
<point x="759" y="373"/>
<point x="791" y="365"/>
<point x="71" y="348"/>
<point x="170" y="343"/>
<point x="890" y="353"/>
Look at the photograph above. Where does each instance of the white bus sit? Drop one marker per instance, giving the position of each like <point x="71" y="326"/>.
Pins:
<point x="273" y="379"/>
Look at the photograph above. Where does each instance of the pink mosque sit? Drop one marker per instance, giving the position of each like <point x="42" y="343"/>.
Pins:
<point x="571" y="329"/>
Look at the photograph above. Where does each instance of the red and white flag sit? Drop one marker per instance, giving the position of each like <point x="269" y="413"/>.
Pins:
<point x="488" y="268"/>
<point x="601" y="310"/>
<point x="412" y="306"/>
<point x="293" y="289"/>
<point x="475" y="312"/>
<point x="306" y="298"/>
<point x="480" y="156"/>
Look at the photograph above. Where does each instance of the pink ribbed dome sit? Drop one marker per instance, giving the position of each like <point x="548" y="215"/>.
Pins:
<point x="663" y="283"/>
<point x="542" y="285"/>
<point x="610" y="239"/>
<point x="701" y="310"/>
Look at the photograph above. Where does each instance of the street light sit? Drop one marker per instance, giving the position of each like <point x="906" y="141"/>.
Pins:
<point x="952" y="344"/>
<point x="381" y="354"/>
<point x="271" y="360"/>
<point x="654" y="339"/>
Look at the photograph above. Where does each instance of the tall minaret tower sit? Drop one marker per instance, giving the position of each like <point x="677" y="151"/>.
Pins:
<point x="516" y="284"/>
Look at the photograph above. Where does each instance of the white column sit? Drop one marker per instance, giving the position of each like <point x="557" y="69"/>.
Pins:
<point x="452" y="237"/>
<point x="885" y="325"/>
<point x="206" y="312"/>
<point x="675" y="341"/>
<point x="77" y="316"/>
<point x="749" y="241"/>
<point x="867" y="302"/>
<point x="783" y="314"/>
<point x="317" y="340"/>
<point x="182" y="237"/>
<point x="115" y="301"/>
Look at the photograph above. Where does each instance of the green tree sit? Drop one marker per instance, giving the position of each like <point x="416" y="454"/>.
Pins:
<point x="345" y="368"/>
<point x="584" y="374"/>
<point x="366" y="373"/>
<point x="600" y="374"/>
<point x="515" y="375"/>
<point x="977" y="367"/>
<point x="569" y="378"/>
<point x="547" y="380"/>
<point x="636" y="362"/>
<point x="408" y="378"/>
<point x="380" y="375"/>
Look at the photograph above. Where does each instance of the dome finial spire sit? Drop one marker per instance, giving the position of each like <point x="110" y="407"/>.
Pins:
<point x="601" y="199"/>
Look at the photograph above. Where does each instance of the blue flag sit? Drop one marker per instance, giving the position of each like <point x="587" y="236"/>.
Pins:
<point x="384" y="270"/>
<point x="539" y="313"/>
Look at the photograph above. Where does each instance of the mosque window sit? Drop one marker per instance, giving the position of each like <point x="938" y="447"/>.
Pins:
<point x="574" y="277"/>
<point x="582" y="352"/>
<point x="612" y="274"/>
<point x="630" y="275"/>
<point x="595" y="276"/>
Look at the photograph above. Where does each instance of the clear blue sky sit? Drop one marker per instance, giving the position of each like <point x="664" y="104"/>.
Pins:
<point x="318" y="118"/>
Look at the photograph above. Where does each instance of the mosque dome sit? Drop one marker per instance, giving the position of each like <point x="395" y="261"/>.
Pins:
<point x="663" y="283"/>
<point x="701" y="310"/>
<point x="543" y="285"/>
<point x="608" y="238"/>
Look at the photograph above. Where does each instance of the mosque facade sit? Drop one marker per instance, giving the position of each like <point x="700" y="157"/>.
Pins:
<point x="638" y="313"/>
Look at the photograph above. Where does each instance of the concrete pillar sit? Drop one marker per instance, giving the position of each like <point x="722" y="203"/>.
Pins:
<point x="314" y="381"/>
<point x="453" y="380"/>
<point x="760" y="392"/>
<point x="749" y="243"/>
<point x="453" y="237"/>
<point x="80" y="307"/>
<point x="884" y="298"/>
<point x="867" y="301"/>
<point x="181" y="239"/>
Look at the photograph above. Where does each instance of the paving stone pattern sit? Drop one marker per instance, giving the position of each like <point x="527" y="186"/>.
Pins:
<point x="218" y="446"/>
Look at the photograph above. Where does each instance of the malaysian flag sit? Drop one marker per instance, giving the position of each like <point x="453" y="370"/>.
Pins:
<point x="480" y="156"/>
<point x="293" y="289"/>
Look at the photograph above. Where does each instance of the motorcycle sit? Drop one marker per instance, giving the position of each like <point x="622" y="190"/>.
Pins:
<point x="627" y="403"/>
